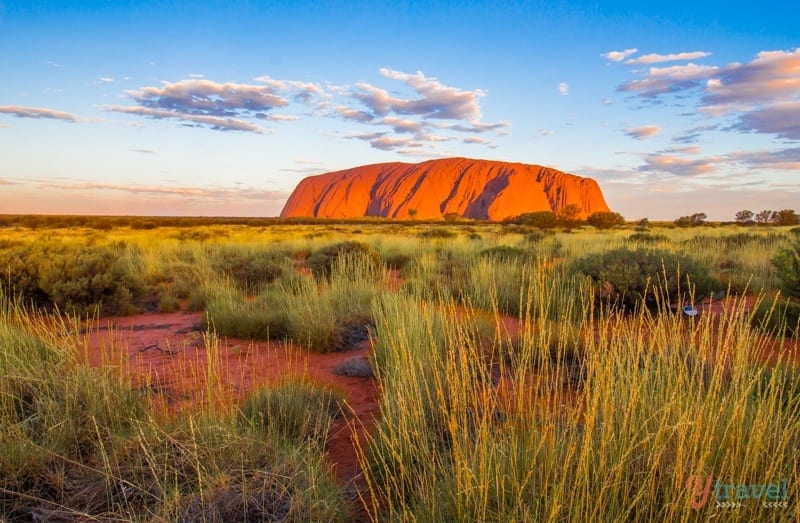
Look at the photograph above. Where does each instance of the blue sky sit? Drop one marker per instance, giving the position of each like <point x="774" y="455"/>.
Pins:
<point x="220" y="108"/>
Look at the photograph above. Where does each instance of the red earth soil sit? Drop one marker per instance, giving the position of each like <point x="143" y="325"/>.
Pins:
<point x="167" y="354"/>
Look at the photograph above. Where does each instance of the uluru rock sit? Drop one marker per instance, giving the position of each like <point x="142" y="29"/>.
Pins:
<point x="479" y="189"/>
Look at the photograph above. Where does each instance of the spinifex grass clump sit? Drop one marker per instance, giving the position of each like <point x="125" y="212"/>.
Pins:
<point x="631" y="277"/>
<point x="323" y="261"/>
<point x="324" y="316"/>
<point x="295" y="410"/>
<point x="514" y="286"/>
<point x="78" y="444"/>
<point x="665" y="398"/>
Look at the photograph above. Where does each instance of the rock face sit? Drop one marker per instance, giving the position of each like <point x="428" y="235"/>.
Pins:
<point x="478" y="189"/>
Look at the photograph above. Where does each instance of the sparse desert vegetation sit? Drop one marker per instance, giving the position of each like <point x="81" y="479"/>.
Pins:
<point x="523" y="374"/>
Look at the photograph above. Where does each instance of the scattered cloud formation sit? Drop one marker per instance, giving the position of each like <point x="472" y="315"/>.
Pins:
<point x="607" y="101"/>
<point x="545" y="132"/>
<point x="195" y="193"/>
<point x="213" y="122"/>
<point x="403" y="122"/>
<point x="143" y="151"/>
<point x="773" y="76"/>
<point x="105" y="80"/>
<point x="618" y="56"/>
<point x="663" y="80"/>
<point x="781" y="119"/>
<point x="693" y="134"/>
<point x="348" y="113"/>
<point x="220" y="106"/>
<point x="422" y="116"/>
<point x="563" y="89"/>
<point x="785" y="159"/>
<point x="643" y="132"/>
<point x="655" y="58"/>
<point x="435" y="100"/>
<point x="401" y="125"/>
<point x="37" y="112"/>
<point x="762" y="95"/>
<point x="303" y="92"/>
<point x="479" y="140"/>
<point x="679" y="165"/>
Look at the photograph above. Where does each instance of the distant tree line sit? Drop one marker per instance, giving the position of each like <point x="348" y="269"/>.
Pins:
<point x="765" y="217"/>
<point x="746" y="217"/>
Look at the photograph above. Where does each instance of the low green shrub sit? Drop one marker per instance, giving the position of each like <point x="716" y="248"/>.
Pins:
<point x="777" y="316"/>
<point x="323" y="260"/>
<point x="432" y="234"/>
<point x="787" y="264"/>
<point x="504" y="252"/>
<point x="630" y="277"/>
<point x="248" y="270"/>
<point x="297" y="411"/>
<point x="646" y="238"/>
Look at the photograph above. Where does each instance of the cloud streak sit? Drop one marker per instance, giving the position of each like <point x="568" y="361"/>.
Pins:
<point x="678" y="165"/>
<point x="643" y="132"/>
<point x="196" y="193"/>
<point x="213" y="122"/>
<point x="37" y="112"/>
<point x="618" y="56"/>
<point x="655" y="58"/>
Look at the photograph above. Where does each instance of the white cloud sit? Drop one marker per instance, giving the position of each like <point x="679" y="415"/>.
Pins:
<point x="663" y="80"/>
<point x="563" y="88"/>
<point x="618" y="56"/>
<point x="655" y="58"/>
<point x="105" y="80"/>
<point x="643" y="132"/>
<point x="37" y="112"/>
<point x="678" y="165"/>
<point x="214" y="122"/>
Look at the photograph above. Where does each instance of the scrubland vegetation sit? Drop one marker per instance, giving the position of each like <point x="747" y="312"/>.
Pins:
<point x="524" y="375"/>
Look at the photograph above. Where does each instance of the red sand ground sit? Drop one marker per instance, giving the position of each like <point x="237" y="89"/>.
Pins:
<point x="167" y="353"/>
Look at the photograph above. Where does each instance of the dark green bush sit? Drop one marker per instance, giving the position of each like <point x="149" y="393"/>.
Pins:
<point x="540" y="219"/>
<point x="431" y="234"/>
<point x="323" y="261"/>
<point x="606" y="220"/>
<point x="779" y="317"/>
<point x="19" y="273"/>
<point x="645" y="237"/>
<point x="397" y="260"/>
<point x="629" y="277"/>
<point x="787" y="264"/>
<point x="248" y="270"/>
<point x="81" y="278"/>
<point x="74" y="278"/>
<point x="504" y="252"/>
